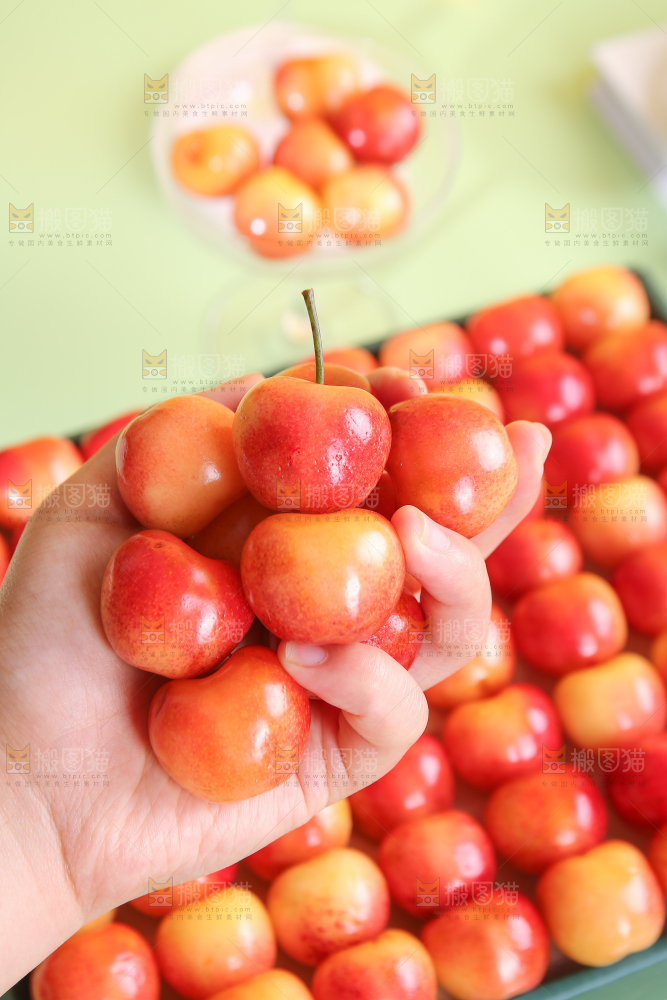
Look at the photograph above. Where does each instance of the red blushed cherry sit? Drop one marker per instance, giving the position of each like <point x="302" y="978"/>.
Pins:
<point x="91" y="442"/>
<point x="568" y="624"/>
<point x="378" y="125"/>
<point x="327" y="830"/>
<point x="312" y="152"/>
<point x="535" y="553"/>
<point x="600" y="301"/>
<point x="640" y="796"/>
<point x="550" y="388"/>
<point x="641" y="583"/>
<point x="29" y="472"/>
<point x="400" y="636"/>
<point x="520" y="327"/>
<point x="436" y="353"/>
<point x="206" y="888"/>
<point x="626" y="370"/>
<point x="382" y="498"/>
<point x="5" y="557"/>
<point x="394" y="966"/>
<point x="648" y="423"/>
<point x="422" y="783"/>
<point x="495" y="739"/>
<point x="539" y="819"/>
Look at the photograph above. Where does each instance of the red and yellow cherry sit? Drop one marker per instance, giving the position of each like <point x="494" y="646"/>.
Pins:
<point x="382" y="498"/>
<point x="422" y="783"/>
<point x="333" y="375"/>
<point x="91" y="442"/>
<point x="91" y="965"/>
<point x="637" y="785"/>
<point x="220" y="737"/>
<point x="485" y="674"/>
<point x="29" y="472"/>
<point x="313" y="152"/>
<point x="626" y="370"/>
<point x="621" y="518"/>
<point x="400" y="634"/>
<point x="276" y="211"/>
<point x="647" y="422"/>
<point x="449" y="846"/>
<point x="437" y="353"/>
<point x="359" y="359"/>
<point x="476" y="389"/>
<point x="495" y="739"/>
<point x="307" y="88"/>
<point x="214" y="161"/>
<point x="602" y="905"/>
<point x="535" y="553"/>
<point x="168" y="609"/>
<point x="599" y="301"/>
<point x="490" y="959"/>
<point x="569" y="624"/>
<point x="378" y="125"/>
<point x="550" y="388"/>
<point x="96" y="923"/>
<point x="225" y="536"/>
<point x="204" y="954"/>
<point x="275" y="984"/>
<point x="615" y="704"/>
<point x="207" y="888"/>
<point x="323" y="580"/>
<point x="394" y="966"/>
<point x="325" y="831"/>
<point x="539" y="819"/>
<point x="333" y="901"/>
<point x="451" y="458"/>
<point x="5" y="557"/>
<point x="176" y="466"/>
<point x="520" y="327"/>
<point x="365" y="202"/>
<point x="641" y="583"/>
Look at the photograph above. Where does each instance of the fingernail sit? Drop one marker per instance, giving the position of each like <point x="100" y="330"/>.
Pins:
<point x="304" y="655"/>
<point x="432" y="536"/>
<point x="545" y="436"/>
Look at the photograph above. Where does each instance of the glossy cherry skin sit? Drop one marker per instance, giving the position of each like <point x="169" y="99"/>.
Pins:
<point x="451" y="458"/>
<point x="29" y="472"/>
<point x="602" y="905"/>
<point x="614" y="704"/>
<point x="475" y="389"/>
<point x="438" y="353"/>
<point x="489" y="960"/>
<point x="550" y="388"/>
<point x="535" y="553"/>
<point x="313" y="152"/>
<point x="520" y="327"/>
<point x="334" y="374"/>
<point x="257" y="212"/>
<point x="648" y="423"/>
<point x="450" y="846"/>
<point x="91" y="442"/>
<point x="298" y="575"/>
<point x="626" y="370"/>
<point x="333" y="440"/>
<point x="226" y="534"/>
<point x="382" y="498"/>
<point x="539" y="819"/>
<point x="568" y="624"/>
<point x="213" y="162"/>
<point x="378" y="125"/>
<point x="365" y="202"/>
<point x="637" y="787"/>
<point x="325" y="831"/>
<point x="176" y="466"/>
<point x="399" y="636"/>
<point x="168" y="609"/>
<point x="641" y="583"/>
<point x="271" y="985"/>
<point x="333" y="901"/>
<point x="307" y="88"/>
<point x="485" y="674"/>
<point x="600" y="301"/>
<point x="359" y="359"/>
<point x="422" y="783"/>
<point x="590" y="450"/>
<point x="88" y="965"/>
<point x="498" y="738"/>
<point x="394" y="966"/>
<point x="222" y="737"/>
<point x="207" y="887"/>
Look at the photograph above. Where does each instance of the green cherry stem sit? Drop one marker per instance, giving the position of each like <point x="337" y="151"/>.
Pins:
<point x="309" y="296"/>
